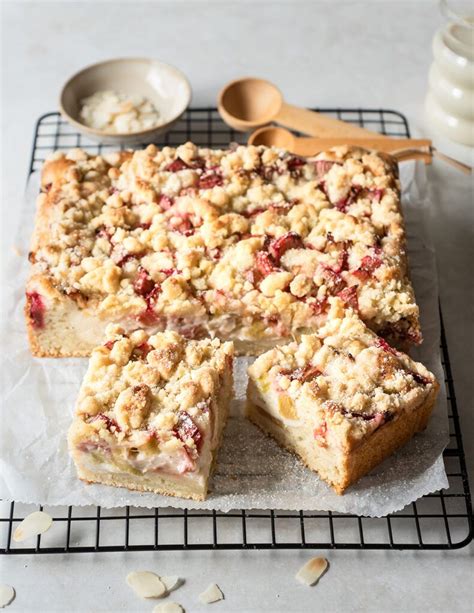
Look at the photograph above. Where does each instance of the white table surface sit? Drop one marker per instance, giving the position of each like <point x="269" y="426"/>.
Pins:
<point x="368" y="54"/>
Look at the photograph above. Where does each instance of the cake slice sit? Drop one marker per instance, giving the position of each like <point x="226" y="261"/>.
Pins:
<point x="342" y="399"/>
<point x="151" y="412"/>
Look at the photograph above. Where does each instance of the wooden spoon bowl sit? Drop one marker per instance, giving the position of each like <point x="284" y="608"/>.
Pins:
<point x="249" y="103"/>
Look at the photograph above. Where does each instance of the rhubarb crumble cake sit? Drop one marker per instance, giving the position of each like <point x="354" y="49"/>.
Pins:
<point x="245" y="244"/>
<point x="342" y="398"/>
<point x="151" y="412"/>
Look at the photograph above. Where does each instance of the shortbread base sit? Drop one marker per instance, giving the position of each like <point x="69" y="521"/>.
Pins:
<point x="339" y="469"/>
<point x="165" y="485"/>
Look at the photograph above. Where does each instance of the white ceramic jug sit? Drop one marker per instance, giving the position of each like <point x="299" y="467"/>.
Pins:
<point x="450" y="99"/>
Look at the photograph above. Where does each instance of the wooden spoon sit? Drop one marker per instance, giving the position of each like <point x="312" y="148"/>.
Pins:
<point x="249" y="103"/>
<point x="401" y="148"/>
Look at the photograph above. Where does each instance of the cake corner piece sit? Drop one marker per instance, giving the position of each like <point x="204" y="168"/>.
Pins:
<point x="151" y="412"/>
<point x="342" y="399"/>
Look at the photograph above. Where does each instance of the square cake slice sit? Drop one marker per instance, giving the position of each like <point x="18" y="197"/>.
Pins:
<point x="151" y="412"/>
<point x="342" y="398"/>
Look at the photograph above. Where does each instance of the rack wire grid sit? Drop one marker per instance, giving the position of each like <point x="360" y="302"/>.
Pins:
<point x="442" y="520"/>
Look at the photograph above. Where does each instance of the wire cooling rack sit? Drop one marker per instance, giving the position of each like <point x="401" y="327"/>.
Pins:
<point x="442" y="520"/>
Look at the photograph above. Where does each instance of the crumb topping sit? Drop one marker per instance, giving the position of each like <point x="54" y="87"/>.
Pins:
<point x="344" y="378"/>
<point x="253" y="235"/>
<point x="152" y="393"/>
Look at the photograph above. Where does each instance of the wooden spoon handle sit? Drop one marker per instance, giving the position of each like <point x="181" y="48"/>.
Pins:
<point x="312" y="146"/>
<point x="315" y="124"/>
<point x="412" y="154"/>
<point x="465" y="168"/>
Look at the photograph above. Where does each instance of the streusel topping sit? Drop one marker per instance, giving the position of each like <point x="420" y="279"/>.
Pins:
<point x="152" y="391"/>
<point x="344" y="378"/>
<point x="251" y="233"/>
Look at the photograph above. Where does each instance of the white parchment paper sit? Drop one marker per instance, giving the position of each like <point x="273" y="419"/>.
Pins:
<point x="38" y="396"/>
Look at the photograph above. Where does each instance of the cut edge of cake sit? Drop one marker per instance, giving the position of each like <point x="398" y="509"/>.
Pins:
<point x="360" y="461"/>
<point x="353" y="455"/>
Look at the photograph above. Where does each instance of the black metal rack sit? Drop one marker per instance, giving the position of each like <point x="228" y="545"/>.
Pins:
<point x="442" y="520"/>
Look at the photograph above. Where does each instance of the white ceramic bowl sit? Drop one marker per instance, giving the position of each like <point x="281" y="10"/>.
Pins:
<point x="165" y="86"/>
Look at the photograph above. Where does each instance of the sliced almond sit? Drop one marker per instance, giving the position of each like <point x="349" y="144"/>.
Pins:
<point x="168" y="607"/>
<point x="172" y="583"/>
<point x="212" y="594"/>
<point x="310" y="572"/>
<point x="7" y="594"/>
<point x="146" y="584"/>
<point x="33" y="524"/>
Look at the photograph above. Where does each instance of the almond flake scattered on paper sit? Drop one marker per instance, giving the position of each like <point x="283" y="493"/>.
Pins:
<point x="146" y="584"/>
<point x="34" y="524"/>
<point x="310" y="572"/>
<point x="211" y="594"/>
<point x="168" y="607"/>
<point x="7" y="594"/>
<point x="172" y="583"/>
